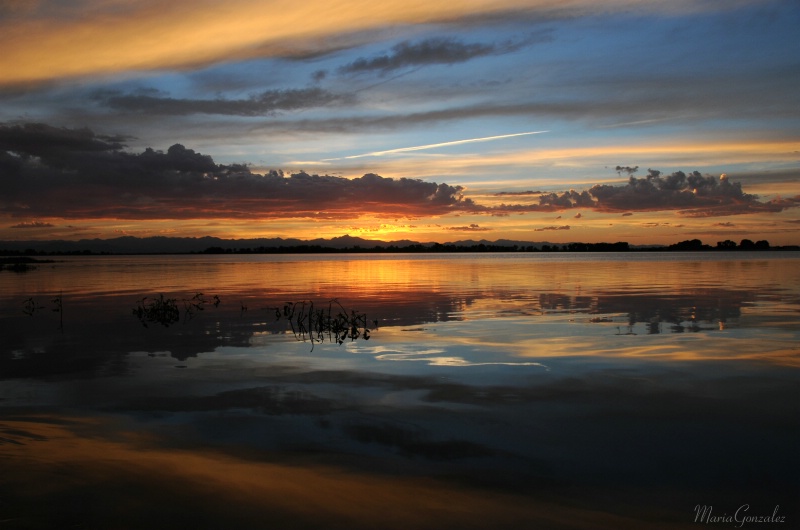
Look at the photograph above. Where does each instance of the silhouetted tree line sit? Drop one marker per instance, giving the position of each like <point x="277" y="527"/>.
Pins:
<point x="34" y="252"/>
<point x="418" y="247"/>
<point x="745" y="244"/>
<point x="620" y="246"/>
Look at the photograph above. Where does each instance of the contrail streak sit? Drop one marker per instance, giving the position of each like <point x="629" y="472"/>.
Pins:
<point x="433" y="146"/>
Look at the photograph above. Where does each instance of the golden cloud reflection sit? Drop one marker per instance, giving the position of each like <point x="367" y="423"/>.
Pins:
<point x="90" y="471"/>
<point x="481" y="400"/>
<point x="543" y="341"/>
<point x="430" y="356"/>
<point x="522" y="305"/>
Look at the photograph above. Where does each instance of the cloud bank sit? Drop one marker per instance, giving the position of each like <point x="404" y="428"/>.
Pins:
<point x="693" y="195"/>
<point x="75" y="173"/>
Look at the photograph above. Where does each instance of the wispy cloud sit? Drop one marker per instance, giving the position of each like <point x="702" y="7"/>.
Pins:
<point x="33" y="224"/>
<point x="471" y="228"/>
<point x="434" y="146"/>
<point x="266" y="102"/>
<point x="437" y="50"/>
<point x="150" y="34"/>
<point x="516" y="193"/>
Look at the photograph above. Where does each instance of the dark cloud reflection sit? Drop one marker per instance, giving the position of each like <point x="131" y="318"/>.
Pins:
<point x="98" y="334"/>
<point x="224" y="410"/>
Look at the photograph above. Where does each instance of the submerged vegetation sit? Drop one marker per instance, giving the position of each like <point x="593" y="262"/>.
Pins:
<point x="335" y="323"/>
<point x="20" y="263"/>
<point x="30" y="307"/>
<point x="165" y="311"/>
<point x="306" y="321"/>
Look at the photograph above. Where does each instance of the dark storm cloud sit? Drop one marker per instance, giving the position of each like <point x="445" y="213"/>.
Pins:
<point x="76" y="174"/>
<point x="567" y="199"/>
<point x="693" y="195"/>
<point x="626" y="169"/>
<point x="53" y="142"/>
<point x="429" y="51"/>
<point x="267" y="102"/>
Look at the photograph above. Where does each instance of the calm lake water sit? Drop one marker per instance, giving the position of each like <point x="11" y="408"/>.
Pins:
<point x="493" y="391"/>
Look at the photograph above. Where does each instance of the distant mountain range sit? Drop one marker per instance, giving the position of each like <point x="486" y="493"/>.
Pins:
<point x="179" y="245"/>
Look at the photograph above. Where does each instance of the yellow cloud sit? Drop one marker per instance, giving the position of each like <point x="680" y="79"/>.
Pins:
<point x="658" y="153"/>
<point x="100" y="37"/>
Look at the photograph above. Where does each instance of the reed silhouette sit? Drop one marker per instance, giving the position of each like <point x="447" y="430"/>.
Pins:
<point x="30" y="307"/>
<point x="307" y="322"/>
<point x="161" y="310"/>
<point x="58" y="301"/>
<point x="314" y="324"/>
<point x="20" y="264"/>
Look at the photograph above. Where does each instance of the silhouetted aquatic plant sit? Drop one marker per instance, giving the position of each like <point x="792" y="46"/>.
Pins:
<point x="59" y="308"/>
<point x="198" y="303"/>
<point x="165" y="311"/>
<point x="18" y="267"/>
<point x="314" y="324"/>
<point x="308" y="322"/>
<point x="30" y="307"/>
<point x="20" y="264"/>
<point x="159" y="310"/>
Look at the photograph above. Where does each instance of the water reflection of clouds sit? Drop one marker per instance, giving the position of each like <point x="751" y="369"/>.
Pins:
<point x="431" y="356"/>
<point x="94" y="469"/>
<point x="472" y="402"/>
<point x="516" y="306"/>
<point x="526" y="324"/>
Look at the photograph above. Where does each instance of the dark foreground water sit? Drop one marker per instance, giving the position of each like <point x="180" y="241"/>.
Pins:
<point x="493" y="391"/>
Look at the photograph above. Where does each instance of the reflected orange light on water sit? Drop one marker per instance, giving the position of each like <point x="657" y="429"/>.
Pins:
<point x="56" y="459"/>
<point x="527" y="306"/>
<point x="482" y="400"/>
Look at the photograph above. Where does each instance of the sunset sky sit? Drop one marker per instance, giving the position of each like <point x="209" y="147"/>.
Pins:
<point x="537" y="120"/>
